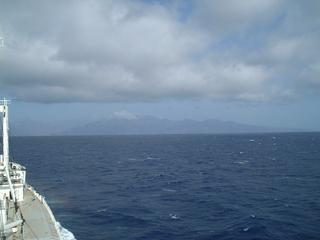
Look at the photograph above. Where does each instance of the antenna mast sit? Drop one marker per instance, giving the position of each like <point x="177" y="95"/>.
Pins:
<point x="4" y="161"/>
<point x="1" y="42"/>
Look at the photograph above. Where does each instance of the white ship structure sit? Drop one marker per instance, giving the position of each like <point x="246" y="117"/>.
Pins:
<point x="24" y="214"/>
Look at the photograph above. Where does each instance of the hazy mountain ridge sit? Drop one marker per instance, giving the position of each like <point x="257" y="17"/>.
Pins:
<point x="153" y="125"/>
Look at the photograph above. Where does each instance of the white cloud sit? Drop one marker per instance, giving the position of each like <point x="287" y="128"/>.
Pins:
<point x="310" y="77"/>
<point x="134" y="51"/>
<point x="233" y="16"/>
<point x="124" y="115"/>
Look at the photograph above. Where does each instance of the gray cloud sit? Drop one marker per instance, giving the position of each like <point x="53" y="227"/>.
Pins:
<point x="235" y="17"/>
<point x="68" y="51"/>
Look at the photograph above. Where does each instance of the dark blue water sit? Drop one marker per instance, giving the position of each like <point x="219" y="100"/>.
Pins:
<point x="179" y="186"/>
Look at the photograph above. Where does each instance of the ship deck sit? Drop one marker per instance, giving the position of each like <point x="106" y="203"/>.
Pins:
<point x="39" y="222"/>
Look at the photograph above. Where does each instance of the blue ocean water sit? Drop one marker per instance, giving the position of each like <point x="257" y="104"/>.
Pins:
<point x="264" y="186"/>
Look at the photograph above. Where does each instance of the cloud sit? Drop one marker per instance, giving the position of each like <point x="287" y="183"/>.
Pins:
<point x="235" y="17"/>
<point x="110" y="51"/>
<point x="123" y="114"/>
<point x="310" y="77"/>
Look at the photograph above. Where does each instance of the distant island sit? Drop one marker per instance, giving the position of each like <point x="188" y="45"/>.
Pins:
<point x="141" y="125"/>
<point x="153" y="125"/>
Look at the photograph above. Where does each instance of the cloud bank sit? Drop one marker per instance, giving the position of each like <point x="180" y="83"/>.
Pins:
<point x="111" y="51"/>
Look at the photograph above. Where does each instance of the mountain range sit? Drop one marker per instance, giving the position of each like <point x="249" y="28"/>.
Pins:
<point x="153" y="125"/>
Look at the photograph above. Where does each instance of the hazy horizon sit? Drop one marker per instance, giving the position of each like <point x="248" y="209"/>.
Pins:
<point x="252" y="62"/>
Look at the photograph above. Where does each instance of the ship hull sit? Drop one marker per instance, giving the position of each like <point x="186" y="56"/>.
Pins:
<point x="38" y="220"/>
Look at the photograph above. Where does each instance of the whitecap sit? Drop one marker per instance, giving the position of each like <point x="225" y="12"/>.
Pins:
<point x="168" y="190"/>
<point x="101" y="210"/>
<point x="246" y="229"/>
<point x="135" y="160"/>
<point x="241" y="162"/>
<point x="65" y="234"/>
<point x="173" y="216"/>
<point x="152" y="158"/>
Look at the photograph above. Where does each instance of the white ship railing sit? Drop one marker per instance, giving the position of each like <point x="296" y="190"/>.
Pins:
<point x="43" y="201"/>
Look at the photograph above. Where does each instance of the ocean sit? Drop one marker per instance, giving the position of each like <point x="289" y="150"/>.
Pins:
<point x="167" y="187"/>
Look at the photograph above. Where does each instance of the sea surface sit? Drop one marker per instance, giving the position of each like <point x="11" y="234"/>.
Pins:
<point x="264" y="186"/>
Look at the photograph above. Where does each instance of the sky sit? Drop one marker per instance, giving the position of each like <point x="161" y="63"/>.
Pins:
<point x="252" y="61"/>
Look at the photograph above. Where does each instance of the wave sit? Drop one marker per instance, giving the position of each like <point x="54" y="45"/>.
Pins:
<point x="168" y="190"/>
<point x="241" y="162"/>
<point x="174" y="216"/>
<point x="101" y="210"/>
<point x="65" y="234"/>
